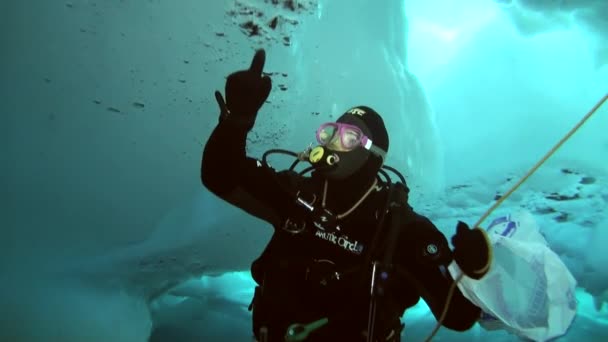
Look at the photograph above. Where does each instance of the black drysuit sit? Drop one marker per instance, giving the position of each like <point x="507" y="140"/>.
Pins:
<point x="317" y="273"/>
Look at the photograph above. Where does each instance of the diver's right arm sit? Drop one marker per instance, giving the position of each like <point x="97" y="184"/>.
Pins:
<point x="240" y="180"/>
<point x="225" y="168"/>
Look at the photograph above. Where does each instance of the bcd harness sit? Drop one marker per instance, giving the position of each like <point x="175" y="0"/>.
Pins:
<point x="380" y="263"/>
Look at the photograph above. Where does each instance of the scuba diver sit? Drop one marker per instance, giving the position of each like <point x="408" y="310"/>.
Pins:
<point x="348" y="254"/>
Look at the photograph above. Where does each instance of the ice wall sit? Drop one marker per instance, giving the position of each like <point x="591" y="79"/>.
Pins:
<point x="503" y="99"/>
<point x="351" y="53"/>
<point x="532" y="17"/>
<point x="105" y="106"/>
<point x="105" y="111"/>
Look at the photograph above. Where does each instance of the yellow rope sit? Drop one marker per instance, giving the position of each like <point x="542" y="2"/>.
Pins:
<point x="540" y="162"/>
<point x="506" y="195"/>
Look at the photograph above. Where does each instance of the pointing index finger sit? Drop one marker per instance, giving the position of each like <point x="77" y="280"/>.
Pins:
<point x="257" y="64"/>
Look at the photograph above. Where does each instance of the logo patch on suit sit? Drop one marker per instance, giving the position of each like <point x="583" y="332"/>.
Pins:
<point x="343" y="241"/>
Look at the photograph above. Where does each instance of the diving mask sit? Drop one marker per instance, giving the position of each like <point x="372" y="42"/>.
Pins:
<point x="344" y="137"/>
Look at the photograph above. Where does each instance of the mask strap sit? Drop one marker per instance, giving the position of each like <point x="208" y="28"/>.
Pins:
<point x="369" y="145"/>
<point x="378" y="151"/>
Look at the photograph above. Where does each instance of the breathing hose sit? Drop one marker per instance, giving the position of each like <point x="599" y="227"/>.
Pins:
<point x="506" y="195"/>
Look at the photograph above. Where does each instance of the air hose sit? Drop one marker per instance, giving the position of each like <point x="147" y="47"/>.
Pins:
<point x="506" y="195"/>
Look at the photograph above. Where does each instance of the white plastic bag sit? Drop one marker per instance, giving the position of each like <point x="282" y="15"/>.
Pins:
<point x="528" y="290"/>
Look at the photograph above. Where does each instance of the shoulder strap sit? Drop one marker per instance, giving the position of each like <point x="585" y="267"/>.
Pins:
<point x="397" y="205"/>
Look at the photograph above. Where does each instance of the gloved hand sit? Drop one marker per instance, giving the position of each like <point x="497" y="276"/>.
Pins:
<point x="246" y="91"/>
<point x="472" y="250"/>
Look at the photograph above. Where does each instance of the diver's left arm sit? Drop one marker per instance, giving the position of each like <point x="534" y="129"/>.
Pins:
<point x="426" y="257"/>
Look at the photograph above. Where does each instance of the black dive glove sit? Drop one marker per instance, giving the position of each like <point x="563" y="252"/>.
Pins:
<point x="246" y="91"/>
<point x="472" y="250"/>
